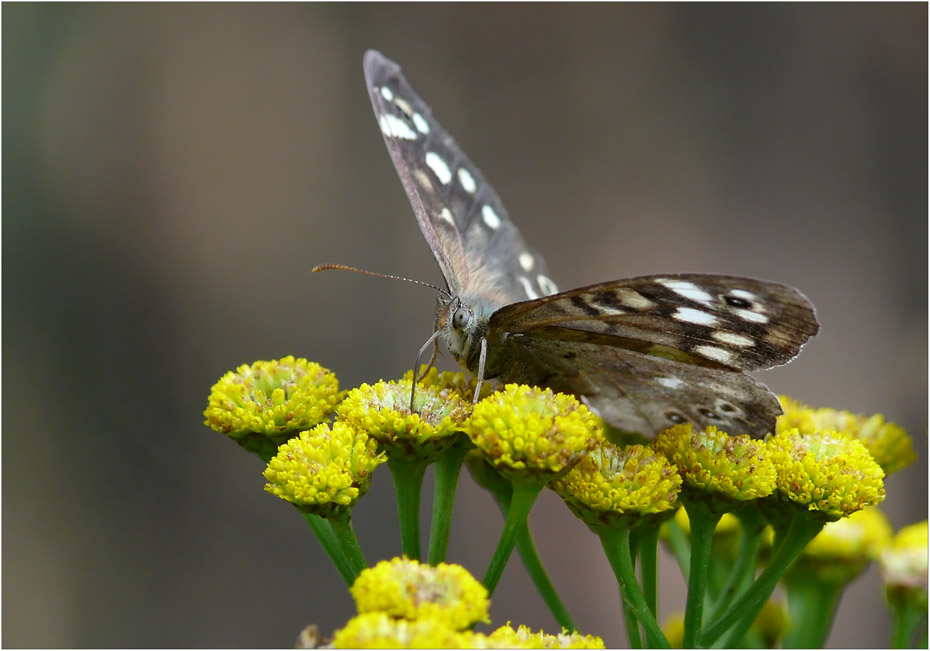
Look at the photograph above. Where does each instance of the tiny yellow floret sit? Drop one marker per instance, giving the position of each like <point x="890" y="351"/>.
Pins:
<point x="530" y="431"/>
<point x="383" y="411"/>
<point x="611" y="486"/>
<point x="412" y="590"/>
<point x="323" y="470"/>
<point x="825" y="471"/>
<point x="381" y="631"/>
<point x="271" y="400"/>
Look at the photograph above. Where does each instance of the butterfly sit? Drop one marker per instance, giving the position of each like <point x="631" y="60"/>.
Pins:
<point x="643" y="353"/>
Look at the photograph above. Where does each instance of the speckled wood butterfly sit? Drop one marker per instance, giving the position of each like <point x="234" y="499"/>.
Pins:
<point x="644" y="353"/>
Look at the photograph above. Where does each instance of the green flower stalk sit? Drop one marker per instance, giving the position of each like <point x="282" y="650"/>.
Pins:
<point x="530" y="436"/>
<point x="820" y="477"/>
<point x="904" y="569"/>
<point x="411" y="441"/>
<point x="263" y="405"/>
<point x="613" y="490"/>
<point x="377" y="630"/>
<point x="888" y="443"/>
<point x="721" y="473"/>
<point x="410" y="590"/>
<point x="323" y="472"/>
<point x="829" y="563"/>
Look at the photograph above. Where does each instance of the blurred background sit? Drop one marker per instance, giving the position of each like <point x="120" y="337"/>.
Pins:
<point x="172" y="172"/>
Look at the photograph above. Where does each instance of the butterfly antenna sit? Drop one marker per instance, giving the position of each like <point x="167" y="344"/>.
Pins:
<point x="416" y="365"/>
<point x="343" y="267"/>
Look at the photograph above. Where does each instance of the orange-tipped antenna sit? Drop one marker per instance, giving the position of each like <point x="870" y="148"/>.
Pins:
<point x="343" y="267"/>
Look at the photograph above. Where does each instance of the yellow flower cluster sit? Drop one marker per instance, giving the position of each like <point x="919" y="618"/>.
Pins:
<point x="523" y="637"/>
<point x="455" y="380"/>
<point x="273" y="399"/>
<point x="324" y="469"/>
<point x="904" y="561"/>
<point x="383" y="411"/>
<point x="887" y="442"/>
<point x="411" y="590"/>
<point x="731" y="469"/>
<point x="533" y="431"/>
<point x="610" y="486"/>
<point x="381" y="631"/>
<point x="825" y="471"/>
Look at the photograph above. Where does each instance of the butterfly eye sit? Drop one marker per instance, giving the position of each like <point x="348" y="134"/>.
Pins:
<point x="460" y="319"/>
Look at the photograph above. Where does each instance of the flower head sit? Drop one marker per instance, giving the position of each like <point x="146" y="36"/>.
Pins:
<point x="383" y="411"/>
<point x="721" y="469"/>
<point x="411" y="590"/>
<point x="904" y="567"/>
<point x="523" y="637"/>
<point x="378" y="630"/>
<point x="323" y="469"/>
<point x="827" y="472"/>
<point x="454" y="380"/>
<point x="887" y="442"/>
<point x="269" y="402"/>
<point x="526" y="431"/>
<point x="612" y="486"/>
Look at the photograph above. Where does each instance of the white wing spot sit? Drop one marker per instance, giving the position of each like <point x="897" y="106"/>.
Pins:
<point x="634" y="299"/>
<point x="439" y="167"/>
<point x="403" y="105"/>
<point x="467" y="181"/>
<point x="714" y="353"/>
<point x="690" y="315"/>
<point x="733" y="339"/>
<point x="420" y="123"/>
<point x="547" y="285"/>
<point x="446" y="216"/>
<point x="742" y="293"/>
<point x="490" y="217"/>
<point x="528" y="287"/>
<point x="687" y="289"/>
<point x="526" y="261"/>
<point x="423" y="179"/>
<point x="386" y="93"/>
<point x="749" y="315"/>
<point x="393" y="127"/>
<point x="670" y="382"/>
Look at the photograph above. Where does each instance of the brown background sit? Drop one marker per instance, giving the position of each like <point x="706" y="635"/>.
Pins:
<point x="172" y="172"/>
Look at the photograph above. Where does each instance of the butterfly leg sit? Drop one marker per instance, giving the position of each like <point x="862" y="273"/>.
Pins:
<point x="481" y="360"/>
<point x="416" y="366"/>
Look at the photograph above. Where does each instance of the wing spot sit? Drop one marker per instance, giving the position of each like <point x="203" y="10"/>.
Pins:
<point x="726" y="407"/>
<point x="584" y="305"/>
<point x="714" y="354"/>
<point x="446" y="216"/>
<point x="423" y="179"/>
<point x="420" y="123"/>
<point x="736" y="301"/>
<point x="733" y="339"/>
<point x="675" y="417"/>
<point x="527" y="261"/>
<point x="386" y="93"/>
<point x="633" y="299"/>
<point x="439" y="167"/>
<point x="393" y="127"/>
<point x="490" y="217"/>
<point x="749" y="315"/>
<point x="547" y="285"/>
<point x="669" y="382"/>
<point x="404" y="106"/>
<point x="467" y="181"/>
<point x="691" y="315"/>
<point x="707" y="413"/>
<point x="528" y="287"/>
<point x="686" y="289"/>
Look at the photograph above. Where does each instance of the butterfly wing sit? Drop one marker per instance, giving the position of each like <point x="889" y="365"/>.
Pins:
<point x="479" y="250"/>
<point x="651" y="351"/>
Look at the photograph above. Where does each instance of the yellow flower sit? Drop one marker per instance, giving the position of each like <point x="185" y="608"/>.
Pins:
<point x="323" y="470"/>
<point x="725" y="470"/>
<point x="506" y="637"/>
<point x="383" y="411"/>
<point x="455" y="380"/>
<point x="887" y="442"/>
<point x="904" y="567"/>
<point x="381" y="631"/>
<point x="411" y="590"/>
<point x="771" y="623"/>
<point x="826" y="472"/>
<point x="269" y="402"/>
<point x="612" y="486"/>
<point x="844" y="548"/>
<point x="526" y="431"/>
<point x="674" y="628"/>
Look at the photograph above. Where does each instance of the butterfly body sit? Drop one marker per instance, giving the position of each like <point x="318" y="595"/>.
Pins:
<point x="645" y="353"/>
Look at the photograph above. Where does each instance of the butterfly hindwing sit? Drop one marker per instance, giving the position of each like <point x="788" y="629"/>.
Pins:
<point x="478" y="248"/>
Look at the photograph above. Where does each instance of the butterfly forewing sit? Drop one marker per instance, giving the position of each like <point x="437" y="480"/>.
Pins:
<point x="479" y="250"/>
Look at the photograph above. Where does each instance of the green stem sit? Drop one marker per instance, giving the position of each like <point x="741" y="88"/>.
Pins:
<point x="341" y="523"/>
<point x="324" y="533"/>
<point x="541" y="579"/>
<point x="616" y="544"/>
<point x="907" y="622"/>
<point x="703" y="524"/>
<point x="741" y="575"/>
<point x="408" y="484"/>
<point x="812" y="607"/>
<point x="648" y="563"/>
<point x="524" y="495"/>
<point x="447" y="477"/>
<point x="743" y="612"/>
<point x="631" y="623"/>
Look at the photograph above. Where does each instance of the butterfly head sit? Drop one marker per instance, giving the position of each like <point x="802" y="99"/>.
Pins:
<point x="463" y="323"/>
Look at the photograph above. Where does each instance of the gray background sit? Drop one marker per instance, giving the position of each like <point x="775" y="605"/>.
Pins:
<point x="172" y="172"/>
